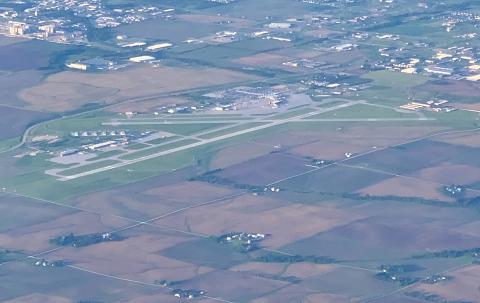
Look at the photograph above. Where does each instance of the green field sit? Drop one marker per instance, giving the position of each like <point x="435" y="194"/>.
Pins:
<point x="63" y="126"/>
<point x="161" y="140"/>
<point x="94" y="122"/>
<point x="363" y="111"/>
<point x="293" y="113"/>
<point x="9" y="143"/>
<point x="231" y="130"/>
<point x="136" y="146"/>
<point x="107" y="154"/>
<point x="157" y="149"/>
<point x="390" y="88"/>
<point x="88" y="167"/>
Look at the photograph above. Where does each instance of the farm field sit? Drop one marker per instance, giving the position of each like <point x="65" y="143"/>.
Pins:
<point x="111" y="87"/>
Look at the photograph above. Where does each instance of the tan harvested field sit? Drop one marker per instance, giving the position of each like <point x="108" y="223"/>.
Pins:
<point x="452" y="87"/>
<point x="35" y="238"/>
<point x="329" y="150"/>
<point x="69" y="90"/>
<point x="470" y="229"/>
<point x="326" y="298"/>
<point x="39" y="298"/>
<point x="145" y="202"/>
<point x="239" y="153"/>
<point x="237" y="286"/>
<point x="467" y="106"/>
<point x="296" y="293"/>
<point x="214" y="19"/>
<point x="56" y="96"/>
<point x="307" y="270"/>
<point x="289" y="139"/>
<point x="161" y="297"/>
<point x="13" y="83"/>
<point x="333" y="144"/>
<point x="275" y="59"/>
<point x="463" y="287"/>
<point x="259" y="268"/>
<point x="165" y="298"/>
<point x="188" y="191"/>
<point x="299" y="53"/>
<point x="264" y="170"/>
<point x="147" y="106"/>
<point x="30" y="284"/>
<point x="262" y="215"/>
<point x="406" y="187"/>
<point x="396" y="230"/>
<point x="135" y="257"/>
<point x="450" y="174"/>
<point x="263" y="59"/>
<point x="343" y="57"/>
<point x="299" y="270"/>
<point x="320" y="33"/>
<point x="4" y="40"/>
<point x="470" y="139"/>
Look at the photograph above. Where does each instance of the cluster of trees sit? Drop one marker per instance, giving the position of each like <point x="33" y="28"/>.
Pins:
<point x="403" y="281"/>
<point x="166" y="283"/>
<point x="459" y="193"/>
<point x="85" y="240"/>
<point x="469" y="202"/>
<point x="396" y="273"/>
<point x="242" y="241"/>
<point x="436" y="279"/>
<point x="289" y="279"/>
<point x="400" y="269"/>
<point x="432" y="297"/>
<point x="450" y="254"/>
<point x="188" y="293"/>
<point x="212" y="178"/>
<point x="282" y="258"/>
<point x="8" y="255"/>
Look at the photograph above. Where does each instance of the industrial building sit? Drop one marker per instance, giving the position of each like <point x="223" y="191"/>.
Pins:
<point x="159" y="46"/>
<point x="141" y="59"/>
<point x="79" y="66"/>
<point x="17" y="28"/>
